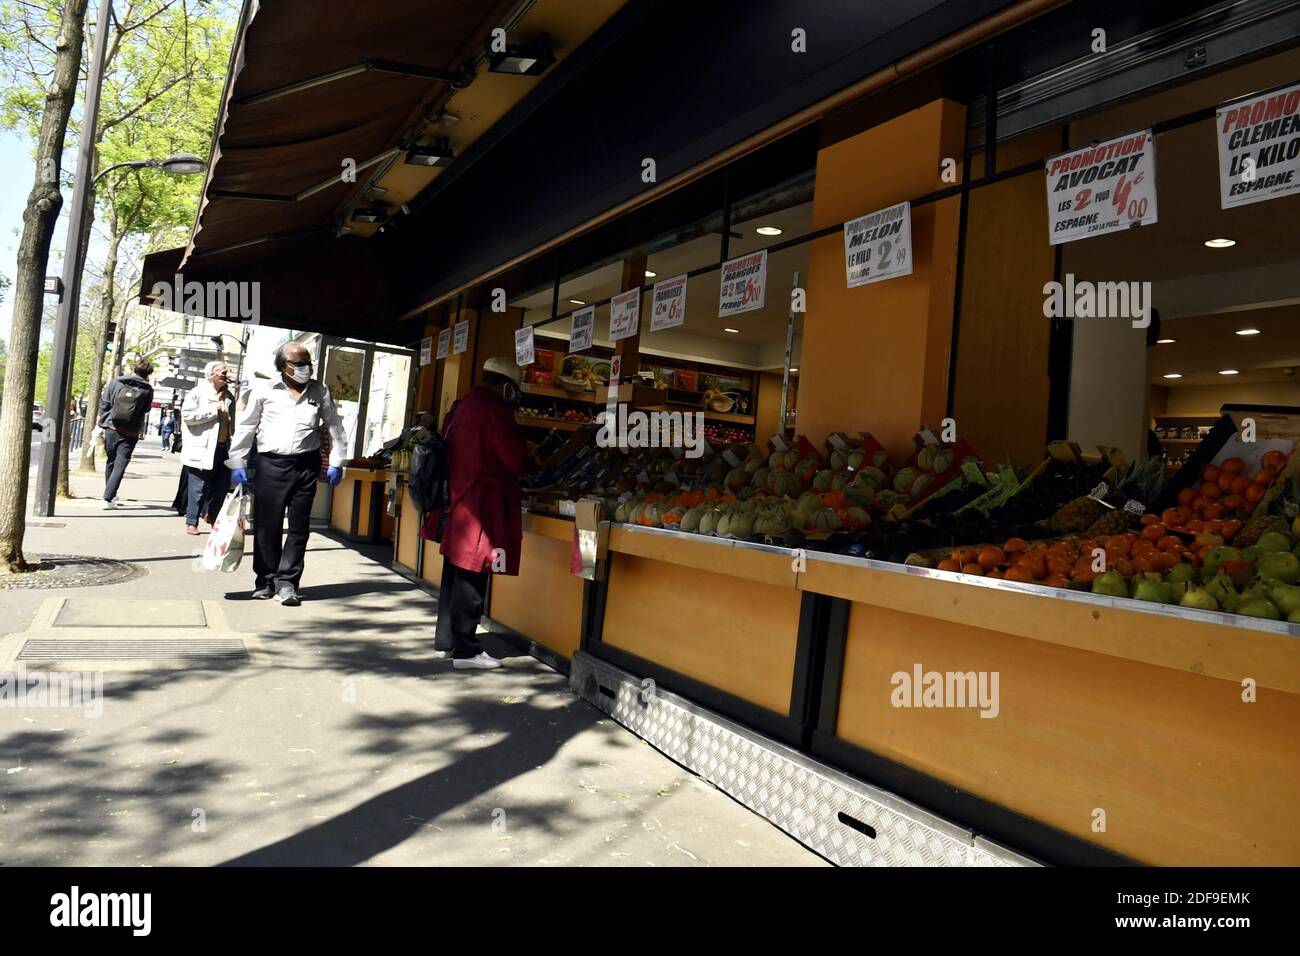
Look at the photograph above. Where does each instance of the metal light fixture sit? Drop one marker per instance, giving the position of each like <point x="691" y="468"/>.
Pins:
<point x="528" y="59"/>
<point x="437" y="154"/>
<point x="374" y="213"/>
<point x="182" y="164"/>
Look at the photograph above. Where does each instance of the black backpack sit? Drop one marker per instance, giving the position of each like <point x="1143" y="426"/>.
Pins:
<point x="131" y="403"/>
<point x="430" y="483"/>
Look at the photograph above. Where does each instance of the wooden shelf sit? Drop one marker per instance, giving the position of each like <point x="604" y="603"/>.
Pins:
<point x="729" y="417"/>
<point x="1181" y="441"/>
<point x="527" y="421"/>
<point x="550" y="391"/>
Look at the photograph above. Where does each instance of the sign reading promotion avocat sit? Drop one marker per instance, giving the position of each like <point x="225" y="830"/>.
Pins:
<point x="1259" y="147"/>
<point x="1102" y="188"/>
<point x="879" y="245"/>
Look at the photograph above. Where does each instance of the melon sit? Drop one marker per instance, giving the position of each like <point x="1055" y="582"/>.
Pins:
<point x="736" y="478"/>
<point x="904" y="480"/>
<point x="874" y="475"/>
<point x="784" y="483"/>
<point x="776" y="460"/>
<point x="925" y="458"/>
<point x="922" y="482"/>
<point x="620" y="513"/>
<point x="943" y="459"/>
<point x="742" y="525"/>
<point x="822" y="480"/>
<point x="709" y="520"/>
<point x="840" y="459"/>
<point x="825" y="520"/>
<point x="841" y="481"/>
<point x="752" y="465"/>
<point x="861" y="494"/>
<point x="857" y="458"/>
<point x="772" y="523"/>
<point x="760" y="477"/>
<point x="856" y="518"/>
<point x="879" y="459"/>
<point x="691" y="520"/>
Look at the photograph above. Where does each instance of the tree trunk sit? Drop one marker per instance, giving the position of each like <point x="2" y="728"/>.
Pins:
<point x="107" y="303"/>
<point x="39" y="217"/>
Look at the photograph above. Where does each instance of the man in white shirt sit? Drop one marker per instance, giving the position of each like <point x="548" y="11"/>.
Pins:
<point x="206" y="424"/>
<point x="285" y="417"/>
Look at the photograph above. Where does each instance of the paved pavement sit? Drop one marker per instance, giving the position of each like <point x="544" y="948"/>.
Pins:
<point x="343" y="742"/>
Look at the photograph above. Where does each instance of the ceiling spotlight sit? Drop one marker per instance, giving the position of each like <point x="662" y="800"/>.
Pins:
<point x="1174" y="375"/>
<point x="528" y="59"/>
<point x="1220" y="243"/>
<point x="375" y="213"/>
<point x="768" y="231"/>
<point x="437" y="154"/>
<point x="736" y="331"/>
<point x="577" y="302"/>
<point x="1228" y="371"/>
<point x="1165" y="341"/>
<point x="794" y="370"/>
<point x="650" y="275"/>
<point x="1248" y="331"/>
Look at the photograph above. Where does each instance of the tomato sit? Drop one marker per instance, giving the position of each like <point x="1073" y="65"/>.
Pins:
<point x="949" y="565"/>
<point x="1018" y="573"/>
<point x="1214" y="527"/>
<point x="1224" y="484"/>
<point x="1123" y="565"/>
<point x="1254" y="493"/>
<point x="1230" y="529"/>
<point x="1196" y="526"/>
<point x="1014" y="545"/>
<point x="1146" y="562"/>
<point x="1153" y="532"/>
<point x="1210" y="473"/>
<point x="1213" y="511"/>
<point x="972" y="569"/>
<point x="1199" y="505"/>
<point x="1056" y="581"/>
<point x="1239" y="484"/>
<point x="1170" y="545"/>
<point x="1165" y="560"/>
<point x="1084" y="574"/>
<point x="1120" y="543"/>
<point x="1211" y="490"/>
<point x="1151" y="517"/>
<point x="1273" y="459"/>
<point x="991" y="557"/>
<point x="1142" y="546"/>
<point x="1234" y="465"/>
<point x="1058" y="567"/>
<point x="1232" y="502"/>
<point x="1266" y="476"/>
<point x="1035" y="564"/>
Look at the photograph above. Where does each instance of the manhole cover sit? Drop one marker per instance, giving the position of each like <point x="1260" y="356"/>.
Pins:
<point x="71" y="571"/>
<point x="52" y="650"/>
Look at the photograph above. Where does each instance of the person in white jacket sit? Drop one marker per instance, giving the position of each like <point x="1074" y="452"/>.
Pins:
<point x="207" y="421"/>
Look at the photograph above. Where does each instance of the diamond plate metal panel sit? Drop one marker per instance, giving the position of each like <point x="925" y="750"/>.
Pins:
<point x="815" y="804"/>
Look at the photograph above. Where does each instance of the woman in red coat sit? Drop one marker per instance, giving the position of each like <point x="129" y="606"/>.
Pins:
<point x="484" y="527"/>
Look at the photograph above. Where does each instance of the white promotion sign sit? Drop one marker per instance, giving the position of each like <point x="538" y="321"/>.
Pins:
<point x="878" y="245"/>
<point x="624" y="314"/>
<point x="524" y="354"/>
<point x="461" y="342"/>
<point x="444" y="343"/>
<point x="1259" y="147"/>
<point x="584" y="326"/>
<point x="744" y="284"/>
<point x="426" y="350"/>
<point x="668" y="303"/>
<point x="1102" y="188"/>
<point x="615" y="371"/>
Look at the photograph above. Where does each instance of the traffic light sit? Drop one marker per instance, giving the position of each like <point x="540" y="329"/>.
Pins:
<point x="111" y="337"/>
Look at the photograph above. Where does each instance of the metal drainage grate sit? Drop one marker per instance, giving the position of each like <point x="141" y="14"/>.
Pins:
<point x="218" y="650"/>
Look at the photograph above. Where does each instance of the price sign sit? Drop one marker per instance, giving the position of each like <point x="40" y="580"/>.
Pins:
<point x="584" y="324"/>
<point x="444" y="343"/>
<point x="524" y="346"/>
<point x="744" y="284"/>
<point x="668" y="303"/>
<point x="615" y="371"/>
<point x="426" y="350"/>
<point x="878" y="245"/>
<point x="1259" y="147"/>
<point x="461" y="343"/>
<point x="1102" y="188"/>
<point x="624" y="314"/>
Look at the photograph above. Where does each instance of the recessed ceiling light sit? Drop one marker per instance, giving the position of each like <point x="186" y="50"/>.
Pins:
<point x="1220" y="243"/>
<point x="1165" y="341"/>
<point x="1174" y="375"/>
<point x="794" y="370"/>
<point x="650" y="275"/>
<point x="1228" y="371"/>
<point x="577" y="302"/>
<point x="768" y="231"/>
<point x="1248" y="331"/>
<point x="737" y="331"/>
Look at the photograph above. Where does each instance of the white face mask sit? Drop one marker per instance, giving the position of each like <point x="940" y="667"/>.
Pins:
<point x="300" y="373"/>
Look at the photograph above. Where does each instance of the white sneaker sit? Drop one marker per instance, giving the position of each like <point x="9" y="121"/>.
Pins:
<point x="108" y="505"/>
<point x="482" y="662"/>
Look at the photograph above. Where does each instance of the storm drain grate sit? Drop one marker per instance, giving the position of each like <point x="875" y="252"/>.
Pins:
<point x="52" y="650"/>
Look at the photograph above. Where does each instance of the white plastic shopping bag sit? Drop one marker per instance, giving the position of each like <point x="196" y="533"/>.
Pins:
<point x="225" y="546"/>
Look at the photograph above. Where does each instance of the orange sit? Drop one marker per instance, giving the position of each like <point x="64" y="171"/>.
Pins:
<point x="1015" y="544"/>
<point x="1019" y="573"/>
<point x="1234" y="465"/>
<point x="949" y="565"/>
<point x="1254" y="493"/>
<point x="991" y="557"/>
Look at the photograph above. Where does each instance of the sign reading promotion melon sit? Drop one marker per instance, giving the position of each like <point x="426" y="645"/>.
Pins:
<point x="1102" y="188"/>
<point x="744" y="284"/>
<point x="879" y="245"/>
<point x="1259" y="147"/>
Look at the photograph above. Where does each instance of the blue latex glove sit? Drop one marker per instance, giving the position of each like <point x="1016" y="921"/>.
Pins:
<point x="334" y="476"/>
<point x="239" y="476"/>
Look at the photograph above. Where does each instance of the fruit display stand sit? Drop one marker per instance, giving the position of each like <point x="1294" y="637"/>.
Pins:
<point x="357" y="507"/>
<point x="545" y="602"/>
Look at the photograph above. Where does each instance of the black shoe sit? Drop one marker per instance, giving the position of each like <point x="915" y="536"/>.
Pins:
<point x="288" y="597"/>
<point x="264" y="593"/>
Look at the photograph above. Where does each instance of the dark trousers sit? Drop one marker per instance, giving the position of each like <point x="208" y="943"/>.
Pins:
<point x="207" y="489"/>
<point x="460" y="606"/>
<point x="118" y="450"/>
<point x="284" y="484"/>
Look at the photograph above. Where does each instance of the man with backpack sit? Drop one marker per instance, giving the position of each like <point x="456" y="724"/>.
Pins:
<point x="123" y="409"/>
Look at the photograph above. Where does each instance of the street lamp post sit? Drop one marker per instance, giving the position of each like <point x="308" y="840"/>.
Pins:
<point x="65" y="328"/>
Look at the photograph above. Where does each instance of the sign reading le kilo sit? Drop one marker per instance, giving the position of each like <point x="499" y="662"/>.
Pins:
<point x="878" y="245"/>
<point x="1259" y="147"/>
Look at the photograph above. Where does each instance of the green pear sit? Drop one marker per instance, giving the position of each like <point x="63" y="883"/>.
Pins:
<point x="1286" y="597"/>
<point x="1182" y="571"/>
<point x="1274" y="541"/>
<point x="1216" y="556"/>
<point x="1200" y="599"/>
<point x="1294" y="617"/>
<point x="1282" y="565"/>
<point x="1253" y="553"/>
<point x="1112" y="583"/>
<point x="1155" y="591"/>
<point x="1259" y="607"/>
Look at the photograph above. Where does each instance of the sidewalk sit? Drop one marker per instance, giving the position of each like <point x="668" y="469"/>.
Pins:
<point x="342" y="742"/>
